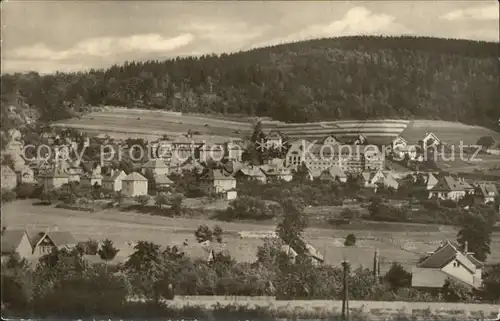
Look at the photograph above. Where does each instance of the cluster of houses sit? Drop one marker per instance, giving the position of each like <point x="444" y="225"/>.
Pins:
<point x="221" y="166"/>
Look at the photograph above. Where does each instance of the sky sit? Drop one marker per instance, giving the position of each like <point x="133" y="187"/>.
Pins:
<point x="49" y="36"/>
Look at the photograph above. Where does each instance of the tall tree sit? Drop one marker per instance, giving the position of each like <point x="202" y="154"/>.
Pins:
<point x="108" y="251"/>
<point x="476" y="231"/>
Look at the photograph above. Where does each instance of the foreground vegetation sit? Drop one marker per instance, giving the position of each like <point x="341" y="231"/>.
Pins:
<point x="65" y="284"/>
<point x="277" y="82"/>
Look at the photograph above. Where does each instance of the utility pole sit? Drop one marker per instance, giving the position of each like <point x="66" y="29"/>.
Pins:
<point x="345" y="299"/>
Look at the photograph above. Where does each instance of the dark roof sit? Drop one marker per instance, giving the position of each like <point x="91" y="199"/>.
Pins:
<point x="11" y="240"/>
<point x="134" y="176"/>
<point x="217" y="174"/>
<point x="478" y="264"/>
<point x="59" y="238"/>
<point x="448" y="184"/>
<point x="445" y="254"/>
<point x="487" y="188"/>
<point x="113" y="177"/>
<point x="440" y="257"/>
<point x="163" y="180"/>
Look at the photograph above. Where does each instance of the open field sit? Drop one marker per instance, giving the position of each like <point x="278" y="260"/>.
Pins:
<point x="375" y="308"/>
<point x="120" y="122"/>
<point x="451" y="133"/>
<point x="126" y="227"/>
<point x="123" y="122"/>
<point x="466" y="164"/>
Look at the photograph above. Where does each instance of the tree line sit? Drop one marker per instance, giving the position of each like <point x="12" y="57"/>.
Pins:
<point x="358" y="77"/>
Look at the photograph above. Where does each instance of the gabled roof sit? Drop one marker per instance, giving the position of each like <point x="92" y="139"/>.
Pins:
<point x="11" y="240"/>
<point x="440" y="257"/>
<point x="445" y="254"/>
<point x="155" y="163"/>
<point x="448" y="184"/>
<point x="217" y="174"/>
<point x="252" y="171"/>
<point x="114" y="177"/>
<point x="487" y="188"/>
<point x="134" y="176"/>
<point x="163" y="180"/>
<point x="56" y="172"/>
<point x="401" y="138"/>
<point x="59" y="238"/>
<point x="431" y="180"/>
<point x="274" y="170"/>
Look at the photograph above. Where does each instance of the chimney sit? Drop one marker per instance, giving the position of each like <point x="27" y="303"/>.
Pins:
<point x="466" y="247"/>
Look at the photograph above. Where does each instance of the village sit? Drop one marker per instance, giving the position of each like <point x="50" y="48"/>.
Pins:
<point x="219" y="171"/>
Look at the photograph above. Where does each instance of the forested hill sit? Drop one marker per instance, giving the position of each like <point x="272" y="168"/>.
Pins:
<point x="324" y="79"/>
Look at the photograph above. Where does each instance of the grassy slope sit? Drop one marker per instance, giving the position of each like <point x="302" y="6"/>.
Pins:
<point x="124" y="227"/>
<point x="449" y="132"/>
<point x="122" y="122"/>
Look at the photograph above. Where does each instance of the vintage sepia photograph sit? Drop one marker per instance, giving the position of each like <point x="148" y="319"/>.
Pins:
<point x="250" y="160"/>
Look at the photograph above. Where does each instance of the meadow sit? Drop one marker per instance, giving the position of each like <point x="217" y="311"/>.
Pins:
<point x="124" y="228"/>
<point x="123" y="123"/>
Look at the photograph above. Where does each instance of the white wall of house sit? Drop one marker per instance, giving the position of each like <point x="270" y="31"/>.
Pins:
<point x="54" y="182"/>
<point x="223" y="185"/>
<point x="134" y="188"/>
<point x="231" y="195"/>
<point x="453" y="195"/>
<point x="457" y="270"/>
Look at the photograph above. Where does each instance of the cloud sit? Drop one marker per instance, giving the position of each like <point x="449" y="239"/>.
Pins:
<point x="104" y="47"/>
<point x="231" y="35"/>
<point x="489" y="12"/>
<point x="356" y="21"/>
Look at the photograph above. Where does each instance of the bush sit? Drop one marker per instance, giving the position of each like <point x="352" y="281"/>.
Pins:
<point x="397" y="277"/>
<point x="25" y="190"/>
<point x="142" y="200"/>
<point x="247" y="207"/>
<point x="350" y="240"/>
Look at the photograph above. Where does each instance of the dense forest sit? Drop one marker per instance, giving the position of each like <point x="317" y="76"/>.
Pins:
<point x="326" y="79"/>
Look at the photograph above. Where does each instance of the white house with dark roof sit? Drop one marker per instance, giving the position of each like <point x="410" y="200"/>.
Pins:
<point x="431" y="181"/>
<point x="219" y="182"/>
<point x="15" y="242"/>
<point x="162" y="181"/>
<point x="43" y="243"/>
<point x="155" y="167"/>
<point x="134" y="184"/>
<point x="430" y="140"/>
<point x="54" y="178"/>
<point x="448" y="188"/>
<point x="113" y="182"/>
<point x="448" y="262"/>
<point x="251" y="173"/>
<point x="487" y="191"/>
